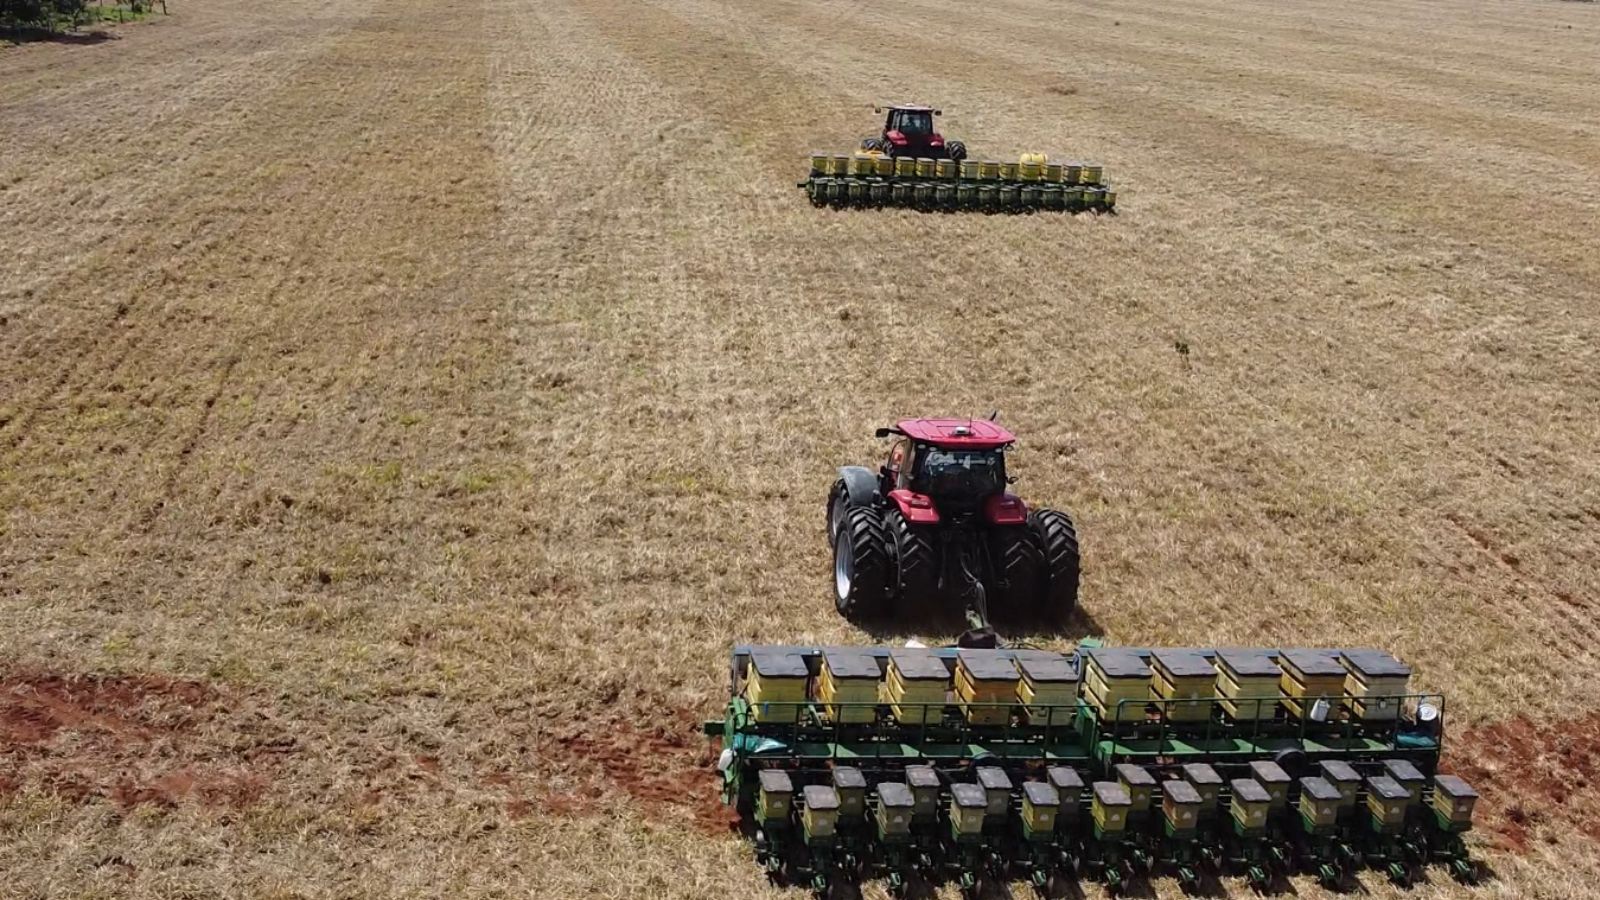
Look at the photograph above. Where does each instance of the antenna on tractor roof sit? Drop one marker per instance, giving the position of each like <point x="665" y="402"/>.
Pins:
<point x="994" y="414"/>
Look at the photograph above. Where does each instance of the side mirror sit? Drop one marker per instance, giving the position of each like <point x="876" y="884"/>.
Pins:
<point x="938" y="112"/>
<point x="882" y="433"/>
<point x="1011" y="479"/>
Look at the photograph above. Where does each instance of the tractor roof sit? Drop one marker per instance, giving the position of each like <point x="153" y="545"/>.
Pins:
<point x="975" y="434"/>
<point x="911" y="107"/>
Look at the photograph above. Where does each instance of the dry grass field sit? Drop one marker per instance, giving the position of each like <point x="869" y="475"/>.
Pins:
<point x="404" y="406"/>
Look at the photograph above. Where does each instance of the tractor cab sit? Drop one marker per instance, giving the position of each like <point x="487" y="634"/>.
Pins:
<point x="910" y="122"/>
<point x="953" y="465"/>
<point x="909" y="131"/>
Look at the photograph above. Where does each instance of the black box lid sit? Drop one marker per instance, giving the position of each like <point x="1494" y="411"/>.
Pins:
<point x="1137" y="776"/>
<point x="1045" y="667"/>
<point x="1065" y="778"/>
<point x="1183" y="664"/>
<point x="969" y="795"/>
<point x="1312" y="663"/>
<point x="1247" y="663"/>
<point x="820" y="796"/>
<point x="994" y="778"/>
<point x="1109" y="793"/>
<point x="776" y="781"/>
<point x="987" y="665"/>
<point x="1387" y="788"/>
<point x="848" y="777"/>
<point x="1119" y="663"/>
<point x="845" y="663"/>
<point x="1249" y="790"/>
<point x="918" y="664"/>
<point x="1181" y="792"/>
<point x="1376" y="664"/>
<point x="1319" y="788"/>
<point x="778" y="664"/>
<point x="1041" y="794"/>
<point x="894" y="794"/>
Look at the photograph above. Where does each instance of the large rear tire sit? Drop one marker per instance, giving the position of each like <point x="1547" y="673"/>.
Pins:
<point x="861" y="564"/>
<point x="916" y="569"/>
<point x="1058" y="595"/>
<point x="1019" y="563"/>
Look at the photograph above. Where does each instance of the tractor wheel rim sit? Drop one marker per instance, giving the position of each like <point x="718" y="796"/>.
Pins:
<point x="843" y="573"/>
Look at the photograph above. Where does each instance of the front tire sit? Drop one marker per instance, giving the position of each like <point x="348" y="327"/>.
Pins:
<point x="861" y="564"/>
<point x="956" y="150"/>
<point x="1058" y="537"/>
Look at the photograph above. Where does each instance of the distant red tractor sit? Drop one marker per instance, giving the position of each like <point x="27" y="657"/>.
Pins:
<point x="936" y="522"/>
<point x="908" y="131"/>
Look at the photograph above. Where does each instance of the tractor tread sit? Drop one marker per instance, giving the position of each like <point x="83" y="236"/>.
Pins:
<point x="1020" y="558"/>
<point x="864" y="535"/>
<point x="1058" y="537"/>
<point x="837" y="498"/>
<point x="916" y="567"/>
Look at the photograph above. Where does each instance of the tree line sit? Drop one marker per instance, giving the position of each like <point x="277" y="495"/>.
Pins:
<point x="57" y="15"/>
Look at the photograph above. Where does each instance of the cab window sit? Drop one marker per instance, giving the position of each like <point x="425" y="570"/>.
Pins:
<point x="911" y="122"/>
<point x="899" y="464"/>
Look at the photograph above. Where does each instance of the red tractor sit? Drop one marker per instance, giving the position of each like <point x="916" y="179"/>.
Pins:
<point x="936" y="522"/>
<point x="908" y="131"/>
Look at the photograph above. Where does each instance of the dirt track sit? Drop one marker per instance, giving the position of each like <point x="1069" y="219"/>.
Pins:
<point x="440" y="389"/>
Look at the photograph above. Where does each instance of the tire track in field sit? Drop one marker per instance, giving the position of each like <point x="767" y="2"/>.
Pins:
<point x="111" y="340"/>
<point x="1534" y="598"/>
<point x="136" y="271"/>
<point x="317" y="199"/>
<point x="363" y="203"/>
<point x="96" y="143"/>
<point x="114" y="147"/>
<point x="1358" y="36"/>
<point x="147" y="329"/>
<point x="191" y="440"/>
<point x="152" y="335"/>
<point x="1520" y="43"/>
<point x="1558" y="152"/>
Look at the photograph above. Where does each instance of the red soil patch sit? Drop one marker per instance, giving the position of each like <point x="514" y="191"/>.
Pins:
<point x="33" y="709"/>
<point x="663" y="766"/>
<point x="129" y="739"/>
<point x="1532" y="775"/>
